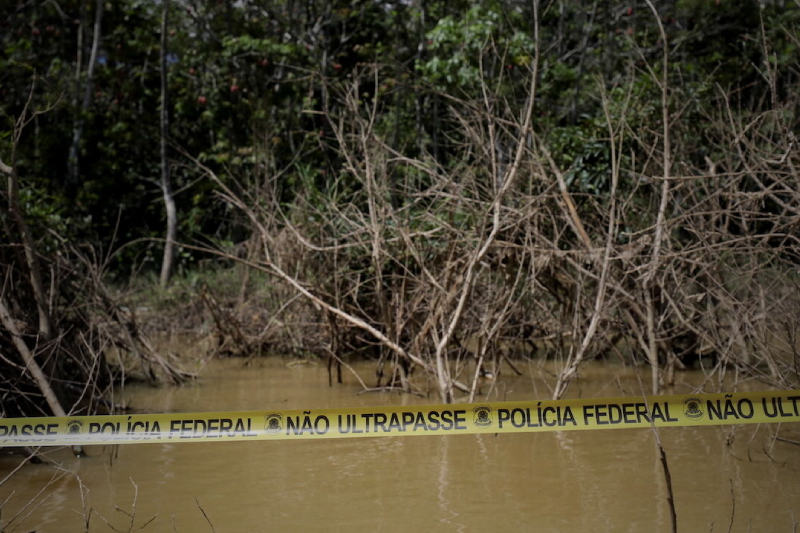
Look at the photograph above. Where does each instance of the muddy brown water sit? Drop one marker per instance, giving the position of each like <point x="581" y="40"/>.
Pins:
<point x="724" y="479"/>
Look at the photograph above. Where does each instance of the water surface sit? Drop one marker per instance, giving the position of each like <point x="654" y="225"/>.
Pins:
<point x="565" y="482"/>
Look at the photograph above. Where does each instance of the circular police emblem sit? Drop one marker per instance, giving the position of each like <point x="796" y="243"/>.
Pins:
<point x="483" y="416"/>
<point x="273" y="423"/>
<point x="74" y="426"/>
<point x="692" y="408"/>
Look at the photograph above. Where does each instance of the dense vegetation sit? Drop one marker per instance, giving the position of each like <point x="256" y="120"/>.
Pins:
<point x="441" y="183"/>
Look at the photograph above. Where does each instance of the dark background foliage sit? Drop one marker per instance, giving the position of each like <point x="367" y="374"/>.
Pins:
<point x="246" y="79"/>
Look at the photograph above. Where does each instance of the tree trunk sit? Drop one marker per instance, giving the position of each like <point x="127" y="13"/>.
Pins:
<point x="73" y="160"/>
<point x="166" y="183"/>
<point x="30" y="363"/>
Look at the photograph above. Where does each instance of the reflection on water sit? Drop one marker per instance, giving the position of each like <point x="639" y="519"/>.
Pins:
<point x="568" y="481"/>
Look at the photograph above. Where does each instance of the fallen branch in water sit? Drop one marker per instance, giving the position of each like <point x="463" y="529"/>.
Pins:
<point x="131" y="516"/>
<point x="733" y="506"/>
<point x="664" y="464"/>
<point x="204" y="515"/>
<point x="30" y="363"/>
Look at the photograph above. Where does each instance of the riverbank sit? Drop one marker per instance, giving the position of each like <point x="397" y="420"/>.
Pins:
<point x="236" y="311"/>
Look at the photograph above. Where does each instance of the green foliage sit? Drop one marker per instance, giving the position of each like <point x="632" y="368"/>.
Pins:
<point x="475" y="47"/>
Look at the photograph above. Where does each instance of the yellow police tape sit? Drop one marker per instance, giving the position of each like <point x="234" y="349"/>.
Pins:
<point x="397" y="421"/>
